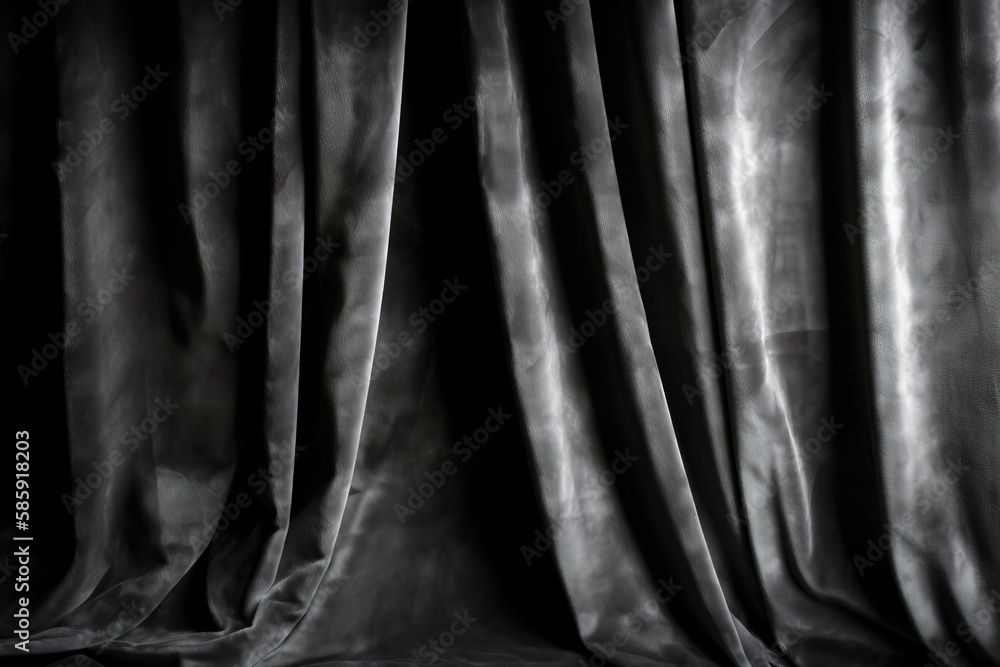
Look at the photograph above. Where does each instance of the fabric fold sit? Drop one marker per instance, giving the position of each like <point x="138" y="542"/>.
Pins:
<point x="483" y="332"/>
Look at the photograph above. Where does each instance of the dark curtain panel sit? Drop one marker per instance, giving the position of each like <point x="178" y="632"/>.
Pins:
<point x="354" y="332"/>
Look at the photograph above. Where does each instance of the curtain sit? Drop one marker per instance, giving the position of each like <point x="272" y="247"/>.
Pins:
<point x="496" y="332"/>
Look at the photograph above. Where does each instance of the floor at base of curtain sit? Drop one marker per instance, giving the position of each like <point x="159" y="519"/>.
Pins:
<point x="496" y="332"/>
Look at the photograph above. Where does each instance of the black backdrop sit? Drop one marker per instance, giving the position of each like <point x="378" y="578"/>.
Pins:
<point x="494" y="333"/>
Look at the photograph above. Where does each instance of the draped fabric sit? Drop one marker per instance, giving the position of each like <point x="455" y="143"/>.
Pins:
<point x="495" y="332"/>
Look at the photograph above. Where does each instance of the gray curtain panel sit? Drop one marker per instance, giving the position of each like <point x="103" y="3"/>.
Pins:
<point x="496" y="332"/>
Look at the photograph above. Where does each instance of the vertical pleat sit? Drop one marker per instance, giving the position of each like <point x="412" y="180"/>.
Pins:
<point x="927" y="229"/>
<point x="136" y="292"/>
<point x="643" y="65"/>
<point x="563" y="414"/>
<point x="759" y="93"/>
<point x="725" y="275"/>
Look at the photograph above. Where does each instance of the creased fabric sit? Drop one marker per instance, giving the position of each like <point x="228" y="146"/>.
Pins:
<point x="498" y="332"/>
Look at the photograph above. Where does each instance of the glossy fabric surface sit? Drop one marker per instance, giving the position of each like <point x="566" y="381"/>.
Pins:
<point x="662" y="330"/>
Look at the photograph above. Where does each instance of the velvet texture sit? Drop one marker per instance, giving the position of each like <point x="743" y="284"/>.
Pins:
<point x="491" y="333"/>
